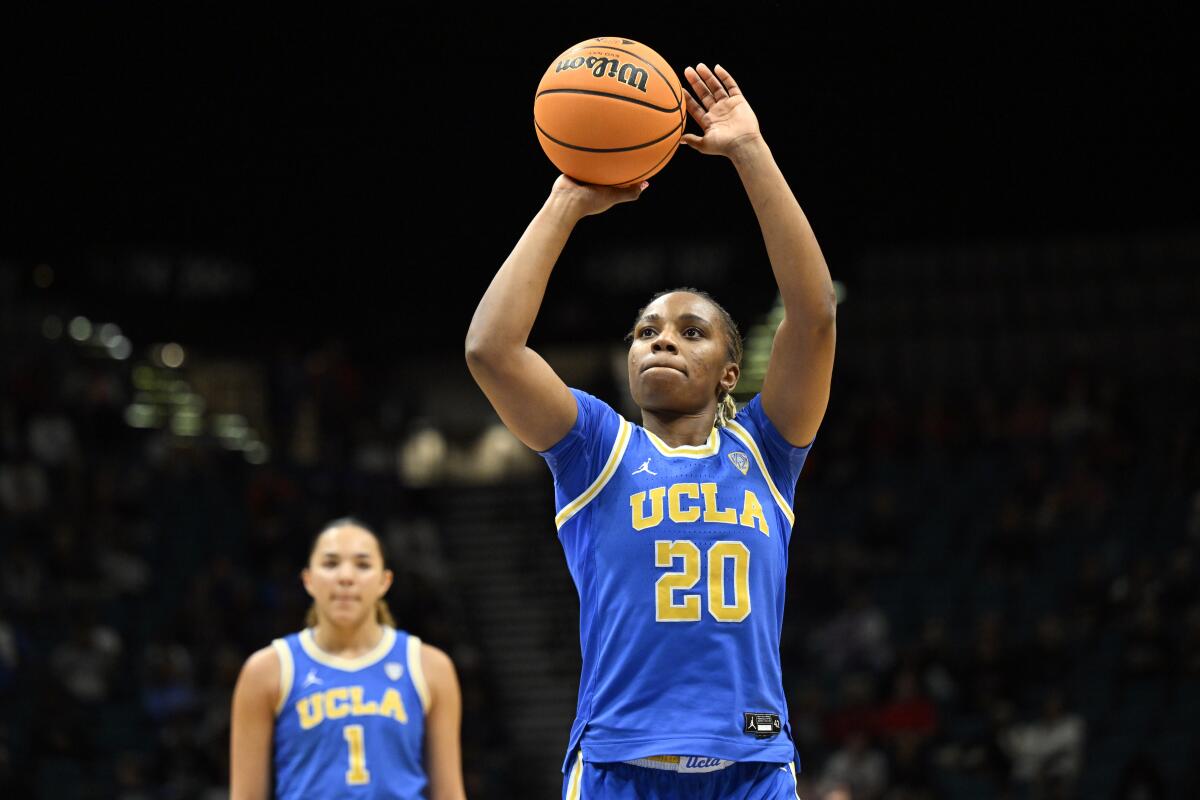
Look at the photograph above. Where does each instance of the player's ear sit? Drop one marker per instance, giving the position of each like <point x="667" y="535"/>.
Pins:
<point x="729" y="377"/>
<point x="306" y="579"/>
<point x="388" y="575"/>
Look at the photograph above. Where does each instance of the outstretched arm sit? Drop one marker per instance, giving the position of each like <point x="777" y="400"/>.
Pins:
<point x="527" y="394"/>
<point x="796" y="387"/>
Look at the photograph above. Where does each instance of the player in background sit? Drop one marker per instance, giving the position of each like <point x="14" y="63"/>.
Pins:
<point x="350" y="706"/>
<point x="675" y="530"/>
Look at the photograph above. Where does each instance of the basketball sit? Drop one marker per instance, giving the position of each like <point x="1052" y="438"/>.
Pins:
<point x="609" y="111"/>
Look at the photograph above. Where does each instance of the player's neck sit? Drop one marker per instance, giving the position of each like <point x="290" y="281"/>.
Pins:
<point x="679" y="430"/>
<point x="348" y="642"/>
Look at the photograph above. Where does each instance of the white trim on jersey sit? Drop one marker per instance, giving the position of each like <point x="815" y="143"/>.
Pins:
<point x="417" y="672"/>
<point x="745" y="438"/>
<point x="367" y="659"/>
<point x="610" y="467"/>
<point x="710" y="447"/>
<point x="575" y="784"/>
<point x="287" y="671"/>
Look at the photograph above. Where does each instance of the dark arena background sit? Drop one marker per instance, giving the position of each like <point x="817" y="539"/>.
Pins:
<point x="238" y="257"/>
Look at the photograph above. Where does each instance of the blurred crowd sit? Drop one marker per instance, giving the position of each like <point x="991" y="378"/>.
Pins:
<point x="990" y="595"/>
<point x="997" y="596"/>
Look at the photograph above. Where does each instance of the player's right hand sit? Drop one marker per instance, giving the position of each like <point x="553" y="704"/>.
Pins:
<point x="585" y="199"/>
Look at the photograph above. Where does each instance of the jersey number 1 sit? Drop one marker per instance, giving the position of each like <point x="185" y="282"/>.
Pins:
<point x="357" y="774"/>
<point x="665" y="607"/>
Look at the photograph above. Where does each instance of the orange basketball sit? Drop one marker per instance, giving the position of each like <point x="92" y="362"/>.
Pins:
<point x="609" y="111"/>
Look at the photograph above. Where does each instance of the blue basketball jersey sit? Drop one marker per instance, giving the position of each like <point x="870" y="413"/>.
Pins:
<point x="350" y="728"/>
<point x="679" y="556"/>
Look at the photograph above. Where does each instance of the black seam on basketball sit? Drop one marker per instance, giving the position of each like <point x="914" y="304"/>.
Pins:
<point x="647" y="172"/>
<point x="663" y="109"/>
<point x="678" y="100"/>
<point x="603" y="149"/>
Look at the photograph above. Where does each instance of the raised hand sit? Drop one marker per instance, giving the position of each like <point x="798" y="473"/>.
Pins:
<point x="721" y="111"/>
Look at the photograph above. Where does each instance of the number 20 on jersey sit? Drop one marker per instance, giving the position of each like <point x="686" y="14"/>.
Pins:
<point x="686" y="607"/>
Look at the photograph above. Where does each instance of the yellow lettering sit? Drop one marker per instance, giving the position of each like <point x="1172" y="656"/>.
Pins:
<point x="393" y="706"/>
<point x="358" y="707"/>
<point x="636" y="503"/>
<point x="718" y="603"/>
<point x="711" y="514"/>
<point x="753" y="510"/>
<point x="677" y="511"/>
<point x="357" y="775"/>
<point x="666" y="609"/>
<point x="311" y="711"/>
<point x="333" y="708"/>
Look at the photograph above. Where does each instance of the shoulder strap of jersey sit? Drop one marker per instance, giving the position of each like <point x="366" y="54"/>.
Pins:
<point x="610" y="466"/>
<point x="417" y="672"/>
<point x="287" y="671"/>
<point x="743" y="436"/>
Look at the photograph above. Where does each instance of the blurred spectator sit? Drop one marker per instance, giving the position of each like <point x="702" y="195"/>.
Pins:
<point x="909" y="770"/>
<point x="1090" y="605"/>
<point x="129" y="773"/>
<point x="935" y="664"/>
<point x="857" y="638"/>
<point x="1147" y="650"/>
<point x="884" y="531"/>
<point x="1012" y="540"/>
<point x="52" y="439"/>
<point x="1051" y="655"/>
<point x="168" y="687"/>
<point x="1048" y="753"/>
<point x="989" y="670"/>
<point x="23" y="488"/>
<point x="1075" y="416"/>
<point x="857" y="766"/>
<point x="84" y="664"/>
<point x="986" y="752"/>
<point x="1137" y="588"/>
<point x="806" y="712"/>
<point x="856" y="712"/>
<point x="908" y="714"/>
<point x="22" y="578"/>
<point x="1140" y="780"/>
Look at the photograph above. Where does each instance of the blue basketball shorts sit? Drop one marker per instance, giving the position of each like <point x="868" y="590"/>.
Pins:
<point x="743" y="780"/>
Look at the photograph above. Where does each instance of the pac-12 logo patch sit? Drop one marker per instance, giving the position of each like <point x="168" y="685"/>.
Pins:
<point x="393" y="670"/>
<point x="740" y="460"/>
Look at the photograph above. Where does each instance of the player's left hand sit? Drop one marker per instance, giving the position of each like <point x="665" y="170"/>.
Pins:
<point x="721" y="111"/>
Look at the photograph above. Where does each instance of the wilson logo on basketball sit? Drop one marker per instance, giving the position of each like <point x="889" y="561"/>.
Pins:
<point x="602" y="67"/>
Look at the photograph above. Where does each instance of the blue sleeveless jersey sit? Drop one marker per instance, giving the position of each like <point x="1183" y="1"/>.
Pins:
<point x="679" y="556"/>
<point x="350" y="728"/>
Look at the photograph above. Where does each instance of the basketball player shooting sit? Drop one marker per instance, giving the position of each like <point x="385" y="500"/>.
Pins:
<point x="675" y="530"/>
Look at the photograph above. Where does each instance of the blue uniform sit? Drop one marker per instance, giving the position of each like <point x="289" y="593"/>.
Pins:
<point x="350" y="728"/>
<point x="679" y="556"/>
